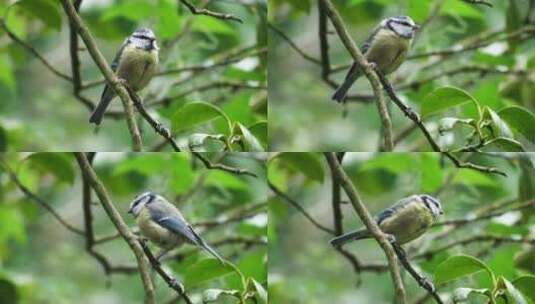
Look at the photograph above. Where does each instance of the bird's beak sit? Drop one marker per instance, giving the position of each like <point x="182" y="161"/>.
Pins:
<point x="130" y="211"/>
<point x="416" y="27"/>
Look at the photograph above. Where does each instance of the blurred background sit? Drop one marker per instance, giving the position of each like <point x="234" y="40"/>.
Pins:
<point x="42" y="261"/>
<point x="202" y="59"/>
<point x="304" y="268"/>
<point x="498" y="73"/>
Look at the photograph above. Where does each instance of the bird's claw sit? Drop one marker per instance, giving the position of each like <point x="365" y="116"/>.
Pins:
<point x="423" y="281"/>
<point x="162" y="130"/>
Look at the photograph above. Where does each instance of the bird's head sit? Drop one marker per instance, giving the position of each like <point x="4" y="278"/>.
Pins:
<point x="402" y="26"/>
<point x="432" y="204"/>
<point x="140" y="201"/>
<point x="144" y="38"/>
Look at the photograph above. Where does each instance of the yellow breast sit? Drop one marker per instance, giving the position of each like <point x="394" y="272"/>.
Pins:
<point x="156" y="233"/>
<point x="388" y="51"/>
<point x="137" y="66"/>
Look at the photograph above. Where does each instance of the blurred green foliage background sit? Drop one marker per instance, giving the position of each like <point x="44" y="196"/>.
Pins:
<point x="43" y="262"/>
<point x="304" y="118"/>
<point x="39" y="111"/>
<point x="304" y="268"/>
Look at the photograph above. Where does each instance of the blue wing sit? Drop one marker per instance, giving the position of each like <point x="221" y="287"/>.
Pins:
<point x="117" y="57"/>
<point x="179" y="226"/>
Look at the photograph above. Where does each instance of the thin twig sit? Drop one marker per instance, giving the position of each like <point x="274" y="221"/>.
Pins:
<point x="203" y="11"/>
<point x="476" y="238"/>
<point x="482" y="2"/>
<point x="209" y="165"/>
<point x="34" y="52"/>
<point x="292" y="44"/>
<point x="39" y="200"/>
<point x="296" y="205"/>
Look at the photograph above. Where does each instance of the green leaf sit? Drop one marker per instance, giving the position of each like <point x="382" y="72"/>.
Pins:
<point x="146" y="164"/>
<point x="262" y="295"/>
<point x="6" y="73"/>
<point x="259" y="130"/>
<point x="181" y="173"/>
<point x="521" y="120"/>
<point x="206" y="24"/>
<point x="132" y="10"/>
<point x="224" y="179"/>
<point x="525" y="284"/>
<point x="46" y="10"/>
<point x="213" y="295"/>
<point x="195" y="113"/>
<point x="201" y="141"/>
<point x="431" y="172"/>
<point x="512" y="293"/>
<point x="462" y="294"/>
<point x="503" y="144"/>
<point x="418" y="9"/>
<point x="3" y="139"/>
<point x="459" y="8"/>
<point x="472" y="177"/>
<point x="526" y="180"/>
<point x="448" y="123"/>
<point x="11" y="224"/>
<point x="169" y="22"/>
<point x="306" y="163"/>
<point x="459" y="266"/>
<point x="8" y="292"/>
<point x="250" y="143"/>
<point x="391" y="162"/>
<point x="57" y="164"/>
<point x="205" y="270"/>
<point x="445" y="98"/>
<point x="498" y="126"/>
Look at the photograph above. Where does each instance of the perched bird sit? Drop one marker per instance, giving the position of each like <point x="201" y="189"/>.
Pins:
<point x="162" y="223"/>
<point x="135" y="63"/>
<point x="387" y="47"/>
<point x="406" y="220"/>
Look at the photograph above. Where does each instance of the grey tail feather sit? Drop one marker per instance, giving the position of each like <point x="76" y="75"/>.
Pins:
<point x="98" y="113"/>
<point x="350" y="236"/>
<point x="352" y="76"/>
<point x="212" y="252"/>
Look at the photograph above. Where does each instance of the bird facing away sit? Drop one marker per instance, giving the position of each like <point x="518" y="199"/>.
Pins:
<point x="162" y="223"/>
<point x="406" y="220"/>
<point x="135" y="63"/>
<point x="387" y="47"/>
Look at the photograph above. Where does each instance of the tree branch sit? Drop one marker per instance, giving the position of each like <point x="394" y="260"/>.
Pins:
<point x="416" y="119"/>
<point x="112" y="79"/>
<point x="117" y="220"/>
<point x="370" y="224"/>
<point x="171" y="282"/>
<point x="365" y="67"/>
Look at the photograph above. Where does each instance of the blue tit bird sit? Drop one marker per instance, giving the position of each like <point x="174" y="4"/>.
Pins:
<point x="406" y="220"/>
<point x="386" y="47"/>
<point x="162" y="223"/>
<point x="135" y="63"/>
